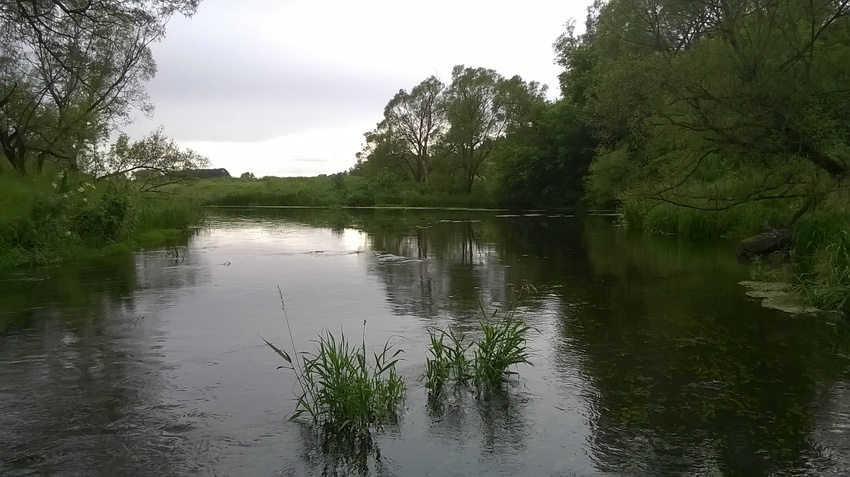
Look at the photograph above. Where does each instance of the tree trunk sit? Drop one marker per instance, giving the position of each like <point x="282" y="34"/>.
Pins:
<point x="14" y="151"/>
<point x="39" y="165"/>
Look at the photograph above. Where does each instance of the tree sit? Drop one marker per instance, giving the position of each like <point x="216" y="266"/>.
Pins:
<point x="476" y="118"/>
<point x="543" y="162"/>
<point x="151" y="162"/>
<point x="384" y="152"/>
<point x="714" y="104"/>
<point x="414" y="121"/>
<point x="71" y="71"/>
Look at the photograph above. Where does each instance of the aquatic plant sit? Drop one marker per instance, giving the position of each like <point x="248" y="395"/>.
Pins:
<point x="502" y="346"/>
<point x="343" y="391"/>
<point x="447" y="361"/>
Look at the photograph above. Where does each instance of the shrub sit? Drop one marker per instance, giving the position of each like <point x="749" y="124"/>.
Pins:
<point x="113" y="217"/>
<point x="359" y="199"/>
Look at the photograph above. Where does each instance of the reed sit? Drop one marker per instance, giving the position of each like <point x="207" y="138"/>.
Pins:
<point x="344" y="391"/>
<point x="502" y="346"/>
<point x="448" y="360"/>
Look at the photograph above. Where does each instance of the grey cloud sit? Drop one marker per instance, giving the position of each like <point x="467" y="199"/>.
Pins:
<point x="231" y="92"/>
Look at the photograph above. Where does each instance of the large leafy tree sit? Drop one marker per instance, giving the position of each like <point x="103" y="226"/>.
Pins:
<point x="415" y="120"/>
<point x="543" y="162"/>
<point x="73" y="70"/>
<point x="715" y="103"/>
<point x="476" y="118"/>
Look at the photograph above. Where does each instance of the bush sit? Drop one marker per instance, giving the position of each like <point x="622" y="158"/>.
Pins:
<point x="45" y="220"/>
<point x="112" y="218"/>
<point x="359" y="199"/>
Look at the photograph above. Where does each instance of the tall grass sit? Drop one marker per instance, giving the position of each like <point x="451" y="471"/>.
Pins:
<point x="168" y="214"/>
<point x="344" y="391"/>
<point x="821" y="247"/>
<point x="502" y="346"/>
<point x="326" y="191"/>
<point x="64" y="216"/>
<point x="737" y="222"/>
<point x="448" y="360"/>
<point x="822" y="241"/>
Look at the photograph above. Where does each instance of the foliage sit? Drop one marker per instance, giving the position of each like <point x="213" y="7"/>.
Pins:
<point x="823" y="244"/>
<point x="385" y="189"/>
<point x="713" y="118"/>
<point x="669" y="219"/>
<point x="542" y="161"/>
<point x="412" y="123"/>
<point x="443" y="136"/>
<point x="152" y="162"/>
<point x="44" y="220"/>
<point x="345" y="392"/>
<point x="448" y="360"/>
<point x="109" y="219"/>
<point x="72" y="71"/>
<point x="161" y="214"/>
<point x="694" y="95"/>
<point x="503" y="345"/>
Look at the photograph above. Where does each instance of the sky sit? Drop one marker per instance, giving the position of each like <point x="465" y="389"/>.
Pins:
<point x="288" y="87"/>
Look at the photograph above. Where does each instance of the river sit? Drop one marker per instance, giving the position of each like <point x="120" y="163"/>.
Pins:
<point x="648" y="358"/>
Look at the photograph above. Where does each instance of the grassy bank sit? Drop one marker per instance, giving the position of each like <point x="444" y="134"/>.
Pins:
<point x="821" y="238"/>
<point x="335" y="190"/>
<point x="65" y="217"/>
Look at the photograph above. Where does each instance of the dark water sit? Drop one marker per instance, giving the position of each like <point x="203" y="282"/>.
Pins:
<point x="650" y="359"/>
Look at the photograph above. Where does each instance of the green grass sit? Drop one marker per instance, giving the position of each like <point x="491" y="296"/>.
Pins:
<point x="56" y="218"/>
<point x="344" y="390"/>
<point x="448" y="360"/>
<point x="822" y="243"/>
<point x="502" y="346"/>
<point x="326" y="191"/>
<point x="157" y="214"/>
<point x="670" y="219"/>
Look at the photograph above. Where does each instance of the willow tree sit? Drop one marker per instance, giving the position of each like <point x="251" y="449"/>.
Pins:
<point x="476" y="118"/>
<point x="71" y="71"/>
<point x="713" y="104"/>
<point x="416" y="119"/>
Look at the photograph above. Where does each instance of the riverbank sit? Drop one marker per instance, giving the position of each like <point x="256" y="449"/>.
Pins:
<point x="66" y="217"/>
<point x="818" y="264"/>
<point x="324" y="191"/>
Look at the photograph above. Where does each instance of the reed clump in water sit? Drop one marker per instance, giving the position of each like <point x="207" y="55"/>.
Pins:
<point x="502" y="345"/>
<point x="343" y="390"/>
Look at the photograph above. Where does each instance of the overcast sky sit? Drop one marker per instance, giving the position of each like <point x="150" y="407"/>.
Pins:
<point x="288" y="87"/>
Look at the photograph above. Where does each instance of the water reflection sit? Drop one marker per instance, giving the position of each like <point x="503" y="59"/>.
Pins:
<point x="73" y="329"/>
<point x="686" y="378"/>
<point x="650" y="360"/>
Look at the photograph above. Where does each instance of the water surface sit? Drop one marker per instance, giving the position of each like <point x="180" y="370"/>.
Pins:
<point x="649" y="360"/>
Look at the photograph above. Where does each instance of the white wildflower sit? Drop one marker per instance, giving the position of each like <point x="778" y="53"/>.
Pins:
<point x="68" y="233"/>
<point x="53" y="184"/>
<point x="85" y="200"/>
<point x="81" y="189"/>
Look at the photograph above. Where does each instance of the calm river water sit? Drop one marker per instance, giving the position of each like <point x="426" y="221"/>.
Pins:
<point x="650" y="359"/>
